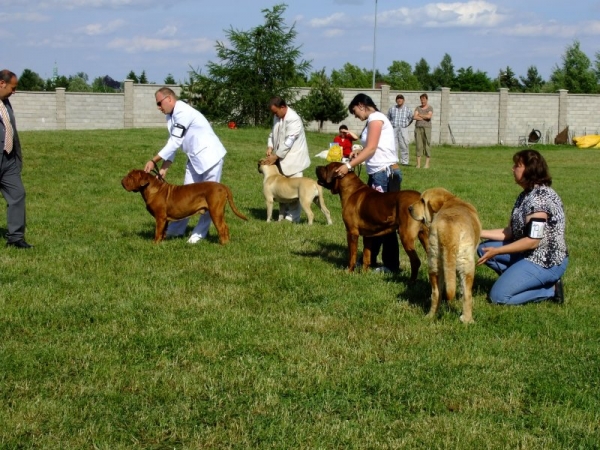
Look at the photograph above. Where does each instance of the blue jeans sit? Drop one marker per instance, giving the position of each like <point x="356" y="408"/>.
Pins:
<point x="390" y="254"/>
<point x="520" y="281"/>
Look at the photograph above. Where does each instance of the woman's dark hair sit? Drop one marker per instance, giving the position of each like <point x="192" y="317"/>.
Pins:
<point x="536" y="169"/>
<point x="362" y="99"/>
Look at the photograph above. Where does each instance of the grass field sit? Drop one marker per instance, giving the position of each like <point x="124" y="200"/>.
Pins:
<point x="111" y="342"/>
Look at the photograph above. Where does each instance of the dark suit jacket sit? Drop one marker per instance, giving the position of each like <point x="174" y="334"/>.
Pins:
<point x="16" y="143"/>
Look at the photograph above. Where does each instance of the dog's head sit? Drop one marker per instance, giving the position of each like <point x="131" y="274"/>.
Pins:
<point x="136" y="180"/>
<point x="327" y="178"/>
<point x="267" y="169"/>
<point x="431" y="201"/>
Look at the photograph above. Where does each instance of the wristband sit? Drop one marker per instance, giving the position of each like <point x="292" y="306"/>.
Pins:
<point x="349" y="166"/>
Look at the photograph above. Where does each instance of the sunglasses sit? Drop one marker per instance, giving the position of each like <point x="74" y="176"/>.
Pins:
<point x="162" y="100"/>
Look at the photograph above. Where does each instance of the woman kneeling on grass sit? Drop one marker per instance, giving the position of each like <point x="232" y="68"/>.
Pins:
<point x="530" y="254"/>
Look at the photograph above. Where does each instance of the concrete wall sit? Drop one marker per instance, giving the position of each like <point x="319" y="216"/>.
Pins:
<point x="463" y="118"/>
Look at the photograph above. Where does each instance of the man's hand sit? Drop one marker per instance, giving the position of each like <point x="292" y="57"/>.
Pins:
<point x="270" y="159"/>
<point x="150" y="165"/>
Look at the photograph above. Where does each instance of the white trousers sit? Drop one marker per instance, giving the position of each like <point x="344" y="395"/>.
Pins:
<point x="191" y="176"/>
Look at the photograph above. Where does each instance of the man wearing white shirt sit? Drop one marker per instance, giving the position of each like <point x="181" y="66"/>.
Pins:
<point x="190" y="131"/>
<point x="287" y="147"/>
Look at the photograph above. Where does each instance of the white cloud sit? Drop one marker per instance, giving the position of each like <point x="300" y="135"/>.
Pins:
<point x="334" y="32"/>
<point x="23" y="17"/>
<point x="95" y="29"/>
<point x="553" y="29"/>
<point x="169" y="30"/>
<point x="334" y="19"/>
<point x="145" y="44"/>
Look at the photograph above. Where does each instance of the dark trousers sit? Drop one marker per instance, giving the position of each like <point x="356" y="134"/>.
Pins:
<point x="390" y="254"/>
<point x="13" y="192"/>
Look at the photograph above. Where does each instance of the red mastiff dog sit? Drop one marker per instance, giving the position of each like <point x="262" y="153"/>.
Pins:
<point x="369" y="213"/>
<point x="167" y="202"/>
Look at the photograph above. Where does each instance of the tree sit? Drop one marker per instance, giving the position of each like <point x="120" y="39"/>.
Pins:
<point x="105" y="84"/>
<point x="78" y="84"/>
<point x="400" y="77"/>
<point x="443" y="75"/>
<point x="30" y="81"/>
<point x="576" y="74"/>
<point x="468" y="80"/>
<point x="533" y="81"/>
<point x="323" y="102"/>
<point x="508" y="79"/>
<point x="143" y="78"/>
<point x="132" y="76"/>
<point x="423" y="74"/>
<point x="351" y="76"/>
<point x="261" y="63"/>
<point x="170" y="80"/>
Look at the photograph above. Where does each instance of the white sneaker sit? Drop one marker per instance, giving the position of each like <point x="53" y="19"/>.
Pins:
<point x="194" y="239"/>
<point x="382" y="269"/>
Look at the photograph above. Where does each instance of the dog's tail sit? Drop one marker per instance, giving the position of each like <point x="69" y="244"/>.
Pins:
<point x="232" y="205"/>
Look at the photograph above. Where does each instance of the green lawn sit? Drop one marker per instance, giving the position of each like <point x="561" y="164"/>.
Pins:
<point x="109" y="341"/>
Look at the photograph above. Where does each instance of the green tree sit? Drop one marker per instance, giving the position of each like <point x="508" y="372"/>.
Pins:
<point x="576" y="73"/>
<point x="423" y="74"/>
<point x="105" y="84"/>
<point x="132" y="76"/>
<point x="170" y="80"/>
<point x="259" y="64"/>
<point x="78" y="84"/>
<point x="443" y="75"/>
<point x="533" y="81"/>
<point x="30" y="81"/>
<point x="352" y="77"/>
<point x="401" y="77"/>
<point x="323" y="102"/>
<point x="468" y="80"/>
<point x="143" y="78"/>
<point x="508" y="79"/>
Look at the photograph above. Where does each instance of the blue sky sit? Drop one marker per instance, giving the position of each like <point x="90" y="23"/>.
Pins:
<point x="112" y="37"/>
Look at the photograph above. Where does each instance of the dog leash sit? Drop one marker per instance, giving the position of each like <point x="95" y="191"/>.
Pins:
<point x="156" y="172"/>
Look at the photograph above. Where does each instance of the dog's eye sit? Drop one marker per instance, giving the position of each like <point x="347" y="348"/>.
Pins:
<point x="423" y="200"/>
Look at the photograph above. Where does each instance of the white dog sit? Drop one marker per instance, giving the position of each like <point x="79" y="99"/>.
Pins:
<point x="281" y="189"/>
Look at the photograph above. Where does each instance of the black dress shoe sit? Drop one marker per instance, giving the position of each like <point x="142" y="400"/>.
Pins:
<point x="559" y="292"/>
<point x="19" y="244"/>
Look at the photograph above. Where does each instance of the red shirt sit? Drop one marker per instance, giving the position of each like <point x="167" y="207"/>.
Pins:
<point x="345" y="143"/>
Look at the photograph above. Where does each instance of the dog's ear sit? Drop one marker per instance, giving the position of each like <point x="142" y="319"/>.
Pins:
<point x="143" y="178"/>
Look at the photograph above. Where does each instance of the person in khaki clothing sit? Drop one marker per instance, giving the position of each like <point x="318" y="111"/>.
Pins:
<point x="11" y="162"/>
<point x="422" y="118"/>
<point x="287" y="147"/>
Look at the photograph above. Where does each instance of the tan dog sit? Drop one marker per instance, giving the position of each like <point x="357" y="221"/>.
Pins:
<point x="279" y="188"/>
<point x="167" y="202"/>
<point x="369" y="213"/>
<point x="454" y="230"/>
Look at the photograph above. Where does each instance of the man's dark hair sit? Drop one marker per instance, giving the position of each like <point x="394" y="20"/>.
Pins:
<point x="278" y="102"/>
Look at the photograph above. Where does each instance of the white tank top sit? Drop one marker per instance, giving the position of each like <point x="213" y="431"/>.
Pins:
<point x="386" y="153"/>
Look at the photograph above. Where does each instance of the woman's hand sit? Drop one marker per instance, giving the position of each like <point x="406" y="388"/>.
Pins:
<point x="488" y="253"/>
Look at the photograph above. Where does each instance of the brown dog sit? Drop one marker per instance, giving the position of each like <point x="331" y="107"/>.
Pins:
<point x="454" y="230"/>
<point x="281" y="189"/>
<point x="167" y="202"/>
<point x="369" y="213"/>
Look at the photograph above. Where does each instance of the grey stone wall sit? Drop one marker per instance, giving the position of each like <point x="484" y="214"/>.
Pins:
<point x="463" y="118"/>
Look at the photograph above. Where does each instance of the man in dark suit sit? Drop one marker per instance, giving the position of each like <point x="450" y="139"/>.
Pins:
<point x="11" y="162"/>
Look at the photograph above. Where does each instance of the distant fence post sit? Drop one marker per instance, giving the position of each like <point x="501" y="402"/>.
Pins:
<point x="61" y="108"/>
<point x="445" y="116"/>
<point x="502" y="115"/>
<point x="128" y="115"/>
<point x="384" y="104"/>
<point x="563" y="109"/>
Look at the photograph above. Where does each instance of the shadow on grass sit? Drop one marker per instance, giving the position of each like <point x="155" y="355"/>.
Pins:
<point x="334" y="254"/>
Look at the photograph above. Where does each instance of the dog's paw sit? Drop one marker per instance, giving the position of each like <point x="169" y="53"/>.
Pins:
<point x="464" y="319"/>
<point x="430" y="316"/>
